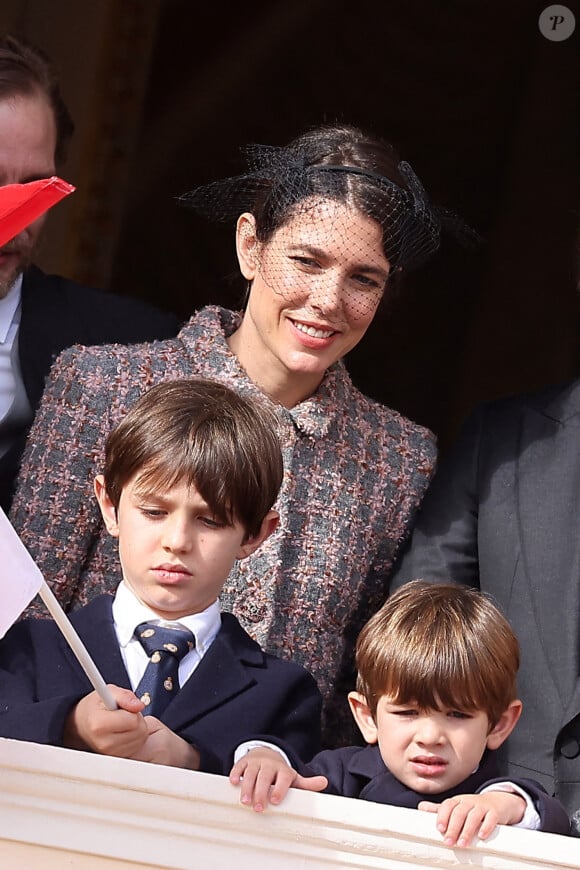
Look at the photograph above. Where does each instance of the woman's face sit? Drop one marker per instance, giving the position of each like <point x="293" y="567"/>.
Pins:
<point x="316" y="285"/>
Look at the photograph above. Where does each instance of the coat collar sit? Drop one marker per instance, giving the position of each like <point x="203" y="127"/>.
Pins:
<point x="205" y="338"/>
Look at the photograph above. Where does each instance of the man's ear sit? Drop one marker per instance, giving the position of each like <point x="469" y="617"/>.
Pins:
<point x="506" y="724"/>
<point x="363" y="717"/>
<point x="269" y="525"/>
<point x="247" y="245"/>
<point x="106" y="505"/>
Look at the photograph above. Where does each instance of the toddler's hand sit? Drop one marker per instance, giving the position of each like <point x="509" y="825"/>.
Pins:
<point x="465" y="816"/>
<point x="265" y="777"/>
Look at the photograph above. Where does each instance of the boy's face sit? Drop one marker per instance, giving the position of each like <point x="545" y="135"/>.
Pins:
<point x="175" y="555"/>
<point x="430" y="751"/>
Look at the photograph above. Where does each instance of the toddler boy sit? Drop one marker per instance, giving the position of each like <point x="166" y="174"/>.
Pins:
<point x="436" y="696"/>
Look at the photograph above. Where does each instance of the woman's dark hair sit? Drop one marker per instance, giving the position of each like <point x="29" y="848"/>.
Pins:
<point x="333" y="146"/>
<point x="340" y="163"/>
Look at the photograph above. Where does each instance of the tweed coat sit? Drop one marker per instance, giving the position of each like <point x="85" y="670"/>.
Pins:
<point x="355" y="473"/>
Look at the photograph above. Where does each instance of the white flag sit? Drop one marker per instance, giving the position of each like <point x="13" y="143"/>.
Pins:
<point x="20" y="577"/>
<point x="20" y="580"/>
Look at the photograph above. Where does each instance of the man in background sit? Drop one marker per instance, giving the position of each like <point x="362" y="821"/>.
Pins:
<point x="41" y="314"/>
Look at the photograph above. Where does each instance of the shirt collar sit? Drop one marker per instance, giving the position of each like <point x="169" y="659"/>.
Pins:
<point x="8" y="308"/>
<point x="129" y="612"/>
<point x="205" y="336"/>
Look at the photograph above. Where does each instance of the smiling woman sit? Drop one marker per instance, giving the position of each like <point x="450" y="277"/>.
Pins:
<point x="322" y="228"/>
<point x="312" y="297"/>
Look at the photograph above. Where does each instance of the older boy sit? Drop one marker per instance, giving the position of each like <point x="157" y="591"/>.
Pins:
<point x="191" y="474"/>
<point x="436" y="695"/>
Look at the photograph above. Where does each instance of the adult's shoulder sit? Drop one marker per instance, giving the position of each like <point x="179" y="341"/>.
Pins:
<point x="151" y="360"/>
<point x="373" y="419"/>
<point x="97" y="383"/>
<point x="92" y="316"/>
<point x="497" y="423"/>
<point x="558" y="402"/>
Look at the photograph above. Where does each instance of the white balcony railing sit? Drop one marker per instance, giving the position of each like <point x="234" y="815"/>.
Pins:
<point x="66" y="809"/>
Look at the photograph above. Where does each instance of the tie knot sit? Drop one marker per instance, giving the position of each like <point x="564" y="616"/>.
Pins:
<point x="175" y="640"/>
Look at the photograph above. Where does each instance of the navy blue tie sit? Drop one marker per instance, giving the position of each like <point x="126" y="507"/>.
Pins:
<point x="166" y="646"/>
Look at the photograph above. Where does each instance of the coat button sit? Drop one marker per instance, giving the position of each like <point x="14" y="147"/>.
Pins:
<point x="570" y="747"/>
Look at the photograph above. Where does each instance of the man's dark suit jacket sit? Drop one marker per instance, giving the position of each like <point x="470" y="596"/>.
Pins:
<point x="57" y="313"/>
<point x="236" y="693"/>
<point x="503" y="513"/>
<point x="360" y="772"/>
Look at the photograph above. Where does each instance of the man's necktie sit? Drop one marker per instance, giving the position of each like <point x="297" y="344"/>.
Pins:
<point x="165" y="646"/>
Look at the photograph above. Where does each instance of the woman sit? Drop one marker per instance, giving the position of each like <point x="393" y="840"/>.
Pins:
<point x="323" y="226"/>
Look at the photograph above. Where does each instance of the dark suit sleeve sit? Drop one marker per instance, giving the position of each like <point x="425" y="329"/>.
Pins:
<point x="292" y="723"/>
<point x="121" y="319"/>
<point x="333" y="764"/>
<point x="27" y="711"/>
<point x="298" y="723"/>
<point x="553" y="816"/>
<point x="287" y="711"/>
<point x="443" y="546"/>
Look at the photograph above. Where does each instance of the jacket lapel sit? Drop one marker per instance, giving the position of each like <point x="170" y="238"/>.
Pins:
<point x="548" y="506"/>
<point x="221" y="674"/>
<point x="44" y="329"/>
<point x="94" y="623"/>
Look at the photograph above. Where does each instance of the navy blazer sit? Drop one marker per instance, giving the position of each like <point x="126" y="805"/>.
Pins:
<point x="237" y="692"/>
<point x="57" y="313"/>
<point x="503" y="514"/>
<point x="360" y="772"/>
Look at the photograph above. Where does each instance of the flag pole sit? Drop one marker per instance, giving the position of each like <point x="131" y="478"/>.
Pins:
<point x="16" y="595"/>
<point x="77" y="646"/>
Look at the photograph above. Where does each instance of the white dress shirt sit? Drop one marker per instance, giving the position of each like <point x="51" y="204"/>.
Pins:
<point x="15" y="410"/>
<point x="129" y="612"/>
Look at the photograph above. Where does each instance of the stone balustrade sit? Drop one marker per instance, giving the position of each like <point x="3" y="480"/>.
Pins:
<point x="60" y="808"/>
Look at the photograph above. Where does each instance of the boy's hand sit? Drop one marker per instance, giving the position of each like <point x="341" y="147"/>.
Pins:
<point x="120" y="732"/>
<point x="266" y="777"/>
<point x="465" y="816"/>
<point x="164" y="746"/>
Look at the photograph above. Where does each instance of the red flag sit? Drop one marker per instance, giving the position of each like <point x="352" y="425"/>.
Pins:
<point x="21" y="204"/>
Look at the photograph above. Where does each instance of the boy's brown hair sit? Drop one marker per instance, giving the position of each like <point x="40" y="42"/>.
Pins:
<point x="203" y="434"/>
<point x="439" y="645"/>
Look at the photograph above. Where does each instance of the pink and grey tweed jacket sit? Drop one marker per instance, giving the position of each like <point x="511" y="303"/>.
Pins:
<point x="355" y="473"/>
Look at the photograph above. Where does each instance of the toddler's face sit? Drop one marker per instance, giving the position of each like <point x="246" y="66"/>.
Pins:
<point x="430" y="751"/>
